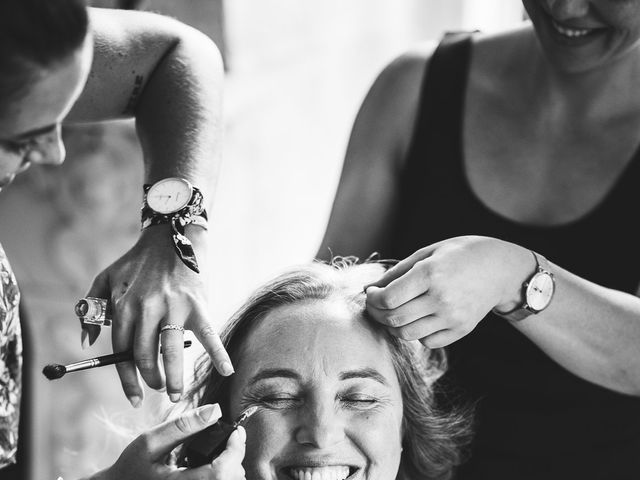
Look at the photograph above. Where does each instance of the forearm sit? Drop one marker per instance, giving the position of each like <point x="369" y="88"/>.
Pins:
<point x="592" y="331"/>
<point x="178" y="115"/>
<point x="169" y="77"/>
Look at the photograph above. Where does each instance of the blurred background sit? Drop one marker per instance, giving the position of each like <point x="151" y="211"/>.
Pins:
<point x="297" y="71"/>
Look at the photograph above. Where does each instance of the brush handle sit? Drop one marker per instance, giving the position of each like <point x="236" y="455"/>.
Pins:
<point x="107" y="360"/>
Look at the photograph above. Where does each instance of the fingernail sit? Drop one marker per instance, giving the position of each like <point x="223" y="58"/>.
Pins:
<point x="175" y="397"/>
<point x="242" y="433"/>
<point x="210" y="412"/>
<point x="226" y="368"/>
<point x="136" y="401"/>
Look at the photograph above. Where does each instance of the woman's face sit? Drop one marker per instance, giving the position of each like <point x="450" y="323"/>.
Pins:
<point x="30" y="126"/>
<point x="330" y="402"/>
<point x="580" y="35"/>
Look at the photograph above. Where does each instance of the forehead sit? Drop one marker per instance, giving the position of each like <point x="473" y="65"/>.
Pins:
<point x="49" y="95"/>
<point x="328" y="333"/>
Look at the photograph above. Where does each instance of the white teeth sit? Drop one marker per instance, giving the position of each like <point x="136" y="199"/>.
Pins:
<point x="320" y="473"/>
<point x="571" y="32"/>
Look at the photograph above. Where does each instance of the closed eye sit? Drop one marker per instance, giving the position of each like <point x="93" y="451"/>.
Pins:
<point x="280" y="401"/>
<point x="359" y="401"/>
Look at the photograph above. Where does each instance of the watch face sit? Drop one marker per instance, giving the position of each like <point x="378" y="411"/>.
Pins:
<point x="540" y="291"/>
<point x="169" y="195"/>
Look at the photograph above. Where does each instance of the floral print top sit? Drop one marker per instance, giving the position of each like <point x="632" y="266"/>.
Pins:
<point x="10" y="363"/>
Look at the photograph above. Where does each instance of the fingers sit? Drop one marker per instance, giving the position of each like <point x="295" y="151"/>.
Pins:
<point x="145" y="348"/>
<point x="122" y="334"/>
<point x="421" y="328"/>
<point x="403" y="266"/>
<point x="411" y="311"/>
<point x="173" y="358"/>
<point x="440" y="339"/>
<point x="390" y="275"/>
<point x="228" y="465"/>
<point x="99" y="288"/>
<point x="206" y="333"/>
<point x="163" y="438"/>
<point x="412" y="284"/>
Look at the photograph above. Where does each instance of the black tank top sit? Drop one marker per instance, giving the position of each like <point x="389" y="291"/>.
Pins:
<point x="535" y="420"/>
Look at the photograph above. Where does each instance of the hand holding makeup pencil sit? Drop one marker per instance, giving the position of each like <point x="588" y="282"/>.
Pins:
<point x="145" y="457"/>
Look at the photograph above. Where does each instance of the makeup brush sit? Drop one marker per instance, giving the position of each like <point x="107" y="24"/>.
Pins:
<point x="53" y="371"/>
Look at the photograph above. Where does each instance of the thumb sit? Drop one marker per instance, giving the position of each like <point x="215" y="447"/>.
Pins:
<point x="234" y="452"/>
<point x="168" y="435"/>
<point x="390" y="275"/>
<point x="402" y="267"/>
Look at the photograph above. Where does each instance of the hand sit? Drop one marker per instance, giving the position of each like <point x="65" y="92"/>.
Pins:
<point x="441" y="292"/>
<point x="149" y="287"/>
<point x="146" y="457"/>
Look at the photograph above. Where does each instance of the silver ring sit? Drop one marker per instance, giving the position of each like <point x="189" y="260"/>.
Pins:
<point x="172" y="326"/>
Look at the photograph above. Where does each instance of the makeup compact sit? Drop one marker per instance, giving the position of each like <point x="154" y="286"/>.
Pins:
<point x="203" y="447"/>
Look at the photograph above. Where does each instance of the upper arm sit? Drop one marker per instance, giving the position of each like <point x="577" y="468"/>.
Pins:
<point x="367" y="194"/>
<point x="128" y="46"/>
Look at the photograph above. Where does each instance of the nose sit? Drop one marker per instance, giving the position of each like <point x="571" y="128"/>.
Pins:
<point x="568" y="9"/>
<point x="320" y="426"/>
<point x="48" y="149"/>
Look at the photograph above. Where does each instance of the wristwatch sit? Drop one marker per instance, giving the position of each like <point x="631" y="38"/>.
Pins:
<point x="537" y="292"/>
<point x="169" y="195"/>
<point x="175" y="201"/>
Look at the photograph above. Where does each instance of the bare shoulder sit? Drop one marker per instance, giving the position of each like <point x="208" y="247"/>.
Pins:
<point x="368" y="190"/>
<point x="392" y="103"/>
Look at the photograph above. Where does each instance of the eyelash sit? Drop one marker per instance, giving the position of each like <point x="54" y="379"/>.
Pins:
<point x="356" y="402"/>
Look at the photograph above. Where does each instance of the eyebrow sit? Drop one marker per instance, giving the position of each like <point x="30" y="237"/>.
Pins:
<point x="368" y="373"/>
<point x="36" y="132"/>
<point x="274" y="373"/>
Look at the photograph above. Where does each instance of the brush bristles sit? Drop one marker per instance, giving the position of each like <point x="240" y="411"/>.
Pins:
<point x="54" y="371"/>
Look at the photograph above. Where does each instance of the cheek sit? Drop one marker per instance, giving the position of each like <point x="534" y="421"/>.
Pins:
<point x="268" y="434"/>
<point x="378" y="437"/>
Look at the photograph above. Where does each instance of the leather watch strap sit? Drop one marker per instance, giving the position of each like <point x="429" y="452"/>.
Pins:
<point x="524" y="310"/>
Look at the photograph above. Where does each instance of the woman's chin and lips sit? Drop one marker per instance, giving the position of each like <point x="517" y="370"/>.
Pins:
<point x="281" y="457"/>
<point x="585" y="42"/>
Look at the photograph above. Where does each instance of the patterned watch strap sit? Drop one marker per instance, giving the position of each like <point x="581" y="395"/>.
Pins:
<point x="193" y="213"/>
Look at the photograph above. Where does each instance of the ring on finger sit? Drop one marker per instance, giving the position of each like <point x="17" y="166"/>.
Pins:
<point x="93" y="311"/>
<point x="172" y="326"/>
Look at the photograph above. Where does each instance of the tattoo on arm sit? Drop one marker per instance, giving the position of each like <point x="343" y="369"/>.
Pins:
<point x="135" y="94"/>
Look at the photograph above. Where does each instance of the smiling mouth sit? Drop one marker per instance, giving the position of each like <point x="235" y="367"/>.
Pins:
<point x="333" y="472"/>
<point x="572" y="32"/>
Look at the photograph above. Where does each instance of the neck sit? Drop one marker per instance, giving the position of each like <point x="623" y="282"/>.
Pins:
<point x="610" y="91"/>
